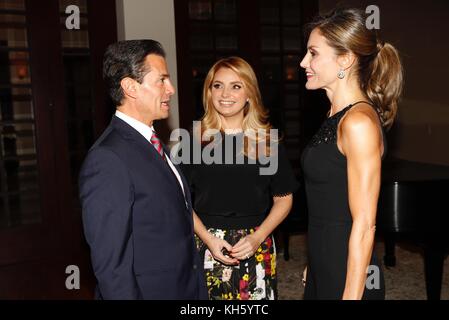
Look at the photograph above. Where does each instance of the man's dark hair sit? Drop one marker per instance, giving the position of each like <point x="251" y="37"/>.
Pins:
<point x="127" y="59"/>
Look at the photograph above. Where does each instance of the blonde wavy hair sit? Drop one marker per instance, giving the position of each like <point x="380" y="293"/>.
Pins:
<point x="255" y="114"/>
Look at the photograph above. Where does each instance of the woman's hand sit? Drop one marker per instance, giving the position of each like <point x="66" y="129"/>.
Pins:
<point x="246" y="247"/>
<point x="217" y="246"/>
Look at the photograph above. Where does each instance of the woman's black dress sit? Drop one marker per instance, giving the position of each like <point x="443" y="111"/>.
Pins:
<point x="330" y="221"/>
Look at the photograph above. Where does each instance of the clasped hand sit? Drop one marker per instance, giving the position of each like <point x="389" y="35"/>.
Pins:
<point x="222" y="251"/>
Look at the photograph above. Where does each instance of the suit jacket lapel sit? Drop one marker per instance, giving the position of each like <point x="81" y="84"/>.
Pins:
<point x="183" y="179"/>
<point x="148" y="151"/>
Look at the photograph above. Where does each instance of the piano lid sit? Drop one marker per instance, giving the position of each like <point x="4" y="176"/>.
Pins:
<point x="413" y="198"/>
<point x="394" y="169"/>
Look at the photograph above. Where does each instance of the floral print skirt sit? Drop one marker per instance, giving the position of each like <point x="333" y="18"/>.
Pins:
<point x="252" y="279"/>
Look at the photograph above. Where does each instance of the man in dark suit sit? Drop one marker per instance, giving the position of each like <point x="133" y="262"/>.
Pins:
<point x="137" y="212"/>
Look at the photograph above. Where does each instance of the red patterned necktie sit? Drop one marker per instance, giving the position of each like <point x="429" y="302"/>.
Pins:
<point x="157" y="144"/>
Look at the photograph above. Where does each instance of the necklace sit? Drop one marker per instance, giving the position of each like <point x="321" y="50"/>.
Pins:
<point x="233" y="131"/>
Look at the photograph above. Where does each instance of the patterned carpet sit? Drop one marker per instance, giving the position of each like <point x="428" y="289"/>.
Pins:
<point x="403" y="282"/>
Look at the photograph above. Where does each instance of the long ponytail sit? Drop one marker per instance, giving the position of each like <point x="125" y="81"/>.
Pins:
<point x="384" y="82"/>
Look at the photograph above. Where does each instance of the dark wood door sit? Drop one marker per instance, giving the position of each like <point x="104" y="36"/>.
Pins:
<point x="53" y="106"/>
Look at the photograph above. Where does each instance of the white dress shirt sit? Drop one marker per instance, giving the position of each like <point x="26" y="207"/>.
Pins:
<point x="147" y="132"/>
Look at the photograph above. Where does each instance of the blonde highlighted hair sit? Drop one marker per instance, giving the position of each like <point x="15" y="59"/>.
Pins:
<point x="379" y="69"/>
<point x="255" y="114"/>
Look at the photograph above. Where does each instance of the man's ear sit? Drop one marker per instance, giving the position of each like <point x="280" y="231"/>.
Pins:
<point x="129" y="87"/>
<point x="345" y="61"/>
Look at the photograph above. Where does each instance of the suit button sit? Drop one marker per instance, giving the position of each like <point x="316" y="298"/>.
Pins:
<point x="194" y="267"/>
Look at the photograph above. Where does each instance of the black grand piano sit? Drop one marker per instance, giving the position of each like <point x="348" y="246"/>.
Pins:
<point x="414" y="206"/>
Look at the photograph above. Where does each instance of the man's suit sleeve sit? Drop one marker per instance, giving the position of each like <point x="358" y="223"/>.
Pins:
<point x="106" y="194"/>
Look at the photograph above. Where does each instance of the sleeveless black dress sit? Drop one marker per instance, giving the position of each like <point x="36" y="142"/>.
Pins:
<point x="330" y="221"/>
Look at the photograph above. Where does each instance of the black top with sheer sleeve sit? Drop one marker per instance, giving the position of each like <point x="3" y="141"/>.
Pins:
<point x="229" y="195"/>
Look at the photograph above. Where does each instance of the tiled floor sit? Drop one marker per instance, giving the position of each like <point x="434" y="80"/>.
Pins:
<point x="403" y="282"/>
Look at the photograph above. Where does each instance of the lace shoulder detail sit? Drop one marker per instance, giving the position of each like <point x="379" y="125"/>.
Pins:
<point x="328" y="131"/>
<point x="282" y="195"/>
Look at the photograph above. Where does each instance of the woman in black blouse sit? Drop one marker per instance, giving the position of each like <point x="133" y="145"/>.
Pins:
<point x="237" y="204"/>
